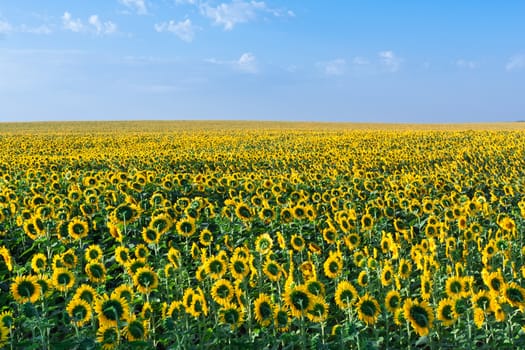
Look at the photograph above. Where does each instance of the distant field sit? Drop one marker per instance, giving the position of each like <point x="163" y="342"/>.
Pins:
<point x="216" y="234"/>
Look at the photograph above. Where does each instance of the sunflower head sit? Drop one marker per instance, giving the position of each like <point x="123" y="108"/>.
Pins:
<point x="25" y="289"/>
<point x="345" y="295"/>
<point x="263" y="309"/>
<point x="420" y="316"/>
<point x="79" y="311"/>
<point x="368" y="309"/>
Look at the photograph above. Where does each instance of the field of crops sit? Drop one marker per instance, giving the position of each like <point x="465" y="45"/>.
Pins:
<point x="168" y="235"/>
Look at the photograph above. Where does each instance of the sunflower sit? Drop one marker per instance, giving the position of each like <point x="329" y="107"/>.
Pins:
<point x="231" y="315"/>
<point x="267" y="215"/>
<point x="318" y="312"/>
<point x="454" y="287"/>
<point x="145" y="280"/>
<point x="514" y="295"/>
<point x="175" y="310"/>
<point x="345" y="295"/>
<point x="125" y="213"/>
<point x="174" y="256"/>
<point x="63" y="279"/>
<point x="368" y="309"/>
<point x="69" y="258"/>
<point x="387" y="275"/>
<point x="124" y="291"/>
<point x="362" y="278"/>
<point x="25" y="289"/>
<point x="481" y="300"/>
<point x="122" y="255"/>
<point x="298" y="299"/>
<point x="198" y="304"/>
<point x="281" y="318"/>
<point x="352" y="241"/>
<point x="446" y="311"/>
<point x="263" y="309"/>
<point x="136" y="329"/>
<point x="161" y="224"/>
<point x="315" y="287"/>
<point x="186" y="227"/>
<point x="78" y="228"/>
<point x="141" y="252"/>
<point x="367" y="222"/>
<point x="222" y="291"/>
<point x="7" y="320"/>
<point x="493" y="280"/>
<point x="392" y="301"/>
<point x="94" y="252"/>
<point x="263" y="244"/>
<point x="6" y="257"/>
<point x="426" y="286"/>
<point x="333" y="265"/>
<point x="297" y="242"/>
<point x="111" y="310"/>
<point x="272" y="270"/>
<point x="150" y="235"/>
<point x="96" y="271"/>
<point x="38" y="262"/>
<point x="79" y="311"/>
<point x="108" y="336"/>
<point x="215" y="267"/>
<point x="115" y="231"/>
<point x="206" y="237"/>
<point x="243" y="212"/>
<point x="239" y="267"/>
<point x="420" y="315"/>
<point x="87" y="293"/>
<point x="479" y="317"/>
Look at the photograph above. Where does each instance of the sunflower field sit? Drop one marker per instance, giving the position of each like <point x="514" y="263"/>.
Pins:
<point x="266" y="235"/>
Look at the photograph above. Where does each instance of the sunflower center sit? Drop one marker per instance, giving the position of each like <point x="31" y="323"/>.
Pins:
<point x="368" y="308"/>
<point x="26" y="289"/>
<point x="112" y="309"/>
<point x="419" y="315"/>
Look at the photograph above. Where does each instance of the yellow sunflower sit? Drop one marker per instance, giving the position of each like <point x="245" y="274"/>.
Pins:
<point x="318" y="312"/>
<point x="25" y="289"/>
<point x="222" y="291"/>
<point x="186" y="227"/>
<point x="145" y="280"/>
<point x="78" y="228"/>
<point x="345" y="295"/>
<point x="368" y="309"/>
<point x="446" y="311"/>
<point x="263" y="309"/>
<point x="96" y="271"/>
<point x="333" y="265"/>
<point x="420" y="316"/>
<point x="298" y="299"/>
<point x="63" y="279"/>
<point x="93" y="252"/>
<point x="79" y="311"/>
<point x="231" y="315"/>
<point x="392" y="301"/>
<point x="108" y="336"/>
<point x="111" y="310"/>
<point x="38" y="262"/>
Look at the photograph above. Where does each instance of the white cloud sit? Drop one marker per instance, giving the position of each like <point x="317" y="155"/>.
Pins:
<point x="191" y="2"/>
<point x="41" y="30"/>
<point x="102" y="27"/>
<point x="516" y="62"/>
<point x="185" y="30"/>
<point x="94" y="25"/>
<point x="461" y="63"/>
<point x="247" y="63"/>
<point x="74" y="25"/>
<point x="238" y="11"/>
<point x="138" y="6"/>
<point x="390" y="61"/>
<point x="333" y="67"/>
<point x="5" y="27"/>
<point x="360" y="61"/>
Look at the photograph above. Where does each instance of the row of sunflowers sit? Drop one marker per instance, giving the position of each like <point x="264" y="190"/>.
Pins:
<point x="193" y="235"/>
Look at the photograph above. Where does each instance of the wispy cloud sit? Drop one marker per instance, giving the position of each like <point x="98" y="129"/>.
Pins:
<point x="516" y="62"/>
<point x="390" y="61"/>
<point x="5" y="27"/>
<point x="107" y="27"/>
<point x="247" y="63"/>
<point x="139" y="6"/>
<point x="185" y="30"/>
<point x="230" y="14"/>
<point x="94" y="25"/>
<point x="333" y="67"/>
<point x="466" y="64"/>
<point x="360" y="61"/>
<point x="74" y="25"/>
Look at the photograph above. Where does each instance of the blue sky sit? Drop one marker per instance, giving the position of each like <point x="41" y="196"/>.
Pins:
<point x="361" y="61"/>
